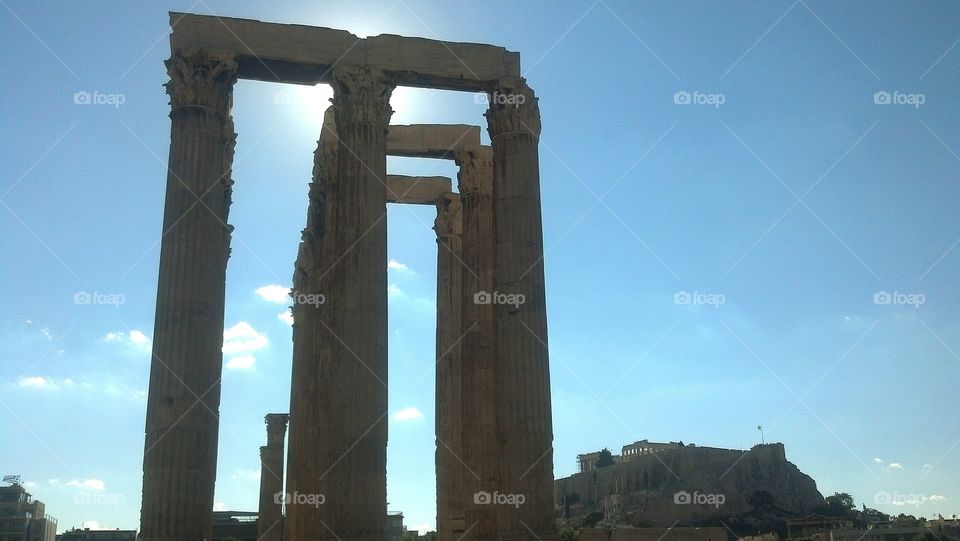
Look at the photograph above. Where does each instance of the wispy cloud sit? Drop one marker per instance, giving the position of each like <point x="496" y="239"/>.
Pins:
<point x="408" y="414"/>
<point x="938" y="498"/>
<point x="86" y="484"/>
<point x="286" y="316"/>
<point x="134" y="339"/>
<point x="896" y="466"/>
<point x="241" y="362"/>
<point x="393" y="264"/>
<point x="242" y="338"/>
<point x="274" y="293"/>
<point x="43" y="383"/>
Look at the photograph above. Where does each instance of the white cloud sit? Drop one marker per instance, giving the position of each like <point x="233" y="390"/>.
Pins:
<point x="286" y="316"/>
<point x="926" y="467"/>
<point x="91" y="484"/>
<point x="87" y="484"/>
<point x="938" y="498"/>
<point x="274" y="293"/>
<point x="396" y="265"/>
<point x="29" y="484"/>
<point x="878" y="461"/>
<point x="896" y="466"/>
<point x="38" y="382"/>
<point x="243" y="338"/>
<point x="242" y="362"/>
<point x="408" y="414"/>
<point x="92" y="524"/>
<point x="393" y="290"/>
<point x="219" y="506"/>
<point x="135" y="339"/>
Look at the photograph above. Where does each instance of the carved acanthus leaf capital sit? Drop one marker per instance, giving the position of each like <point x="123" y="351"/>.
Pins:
<point x="513" y="109"/>
<point x="361" y="95"/>
<point x="201" y="79"/>
<point x="475" y="173"/>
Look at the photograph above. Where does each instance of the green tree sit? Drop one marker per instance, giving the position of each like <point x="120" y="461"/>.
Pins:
<point x="605" y="459"/>
<point x="839" y="505"/>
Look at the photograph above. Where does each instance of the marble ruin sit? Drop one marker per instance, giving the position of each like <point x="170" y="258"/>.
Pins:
<point x="494" y="455"/>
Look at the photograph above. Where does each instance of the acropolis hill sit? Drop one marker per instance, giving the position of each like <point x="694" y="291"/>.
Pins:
<point x="654" y="489"/>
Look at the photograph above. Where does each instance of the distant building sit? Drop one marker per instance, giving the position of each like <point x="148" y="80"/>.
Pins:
<point x="588" y="461"/>
<point x="22" y="518"/>
<point x="644" y="447"/>
<point x="815" y="525"/>
<point x="395" y="527"/>
<point x="234" y="526"/>
<point x="87" y="534"/>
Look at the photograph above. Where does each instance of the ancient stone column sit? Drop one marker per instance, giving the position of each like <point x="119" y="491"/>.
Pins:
<point x="270" y="516"/>
<point x="522" y="372"/>
<point x="306" y="413"/>
<point x="180" y="451"/>
<point x="478" y="415"/>
<point x="448" y="227"/>
<point x="349" y="468"/>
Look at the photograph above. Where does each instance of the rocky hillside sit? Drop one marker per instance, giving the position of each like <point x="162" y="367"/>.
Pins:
<point x="689" y="485"/>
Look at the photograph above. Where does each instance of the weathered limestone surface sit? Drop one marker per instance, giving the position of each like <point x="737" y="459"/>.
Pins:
<point x="430" y="140"/>
<point x="270" y="514"/>
<point x="522" y="372"/>
<point x="305" y="405"/>
<point x="180" y="451"/>
<point x="349" y="468"/>
<point x="416" y="190"/>
<point x="478" y="415"/>
<point x="292" y="53"/>
<point x="449" y="228"/>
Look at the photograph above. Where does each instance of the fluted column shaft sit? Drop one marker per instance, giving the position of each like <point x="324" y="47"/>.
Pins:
<point x="180" y="452"/>
<point x="478" y="414"/>
<point x="524" y="424"/>
<point x="350" y="467"/>
<point x="306" y="409"/>
<point x="449" y="446"/>
<point x="270" y="515"/>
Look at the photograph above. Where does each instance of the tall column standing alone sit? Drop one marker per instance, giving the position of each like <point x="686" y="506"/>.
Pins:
<point x="180" y="449"/>
<point x="478" y="415"/>
<point x="352" y="343"/>
<point x="270" y="516"/>
<point x="449" y="450"/>
<point x="524" y="423"/>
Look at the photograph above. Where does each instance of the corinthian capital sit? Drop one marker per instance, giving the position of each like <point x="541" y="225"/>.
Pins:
<point x="475" y="165"/>
<point x="361" y="95"/>
<point x="513" y="109"/>
<point x="201" y="79"/>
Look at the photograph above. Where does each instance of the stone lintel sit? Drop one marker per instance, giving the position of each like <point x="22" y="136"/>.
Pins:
<point x="300" y="54"/>
<point x="416" y="190"/>
<point x="430" y="140"/>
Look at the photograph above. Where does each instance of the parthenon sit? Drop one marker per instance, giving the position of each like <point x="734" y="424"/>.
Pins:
<point x="493" y="424"/>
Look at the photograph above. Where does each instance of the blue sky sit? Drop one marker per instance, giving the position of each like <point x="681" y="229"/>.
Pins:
<point x="724" y="206"/>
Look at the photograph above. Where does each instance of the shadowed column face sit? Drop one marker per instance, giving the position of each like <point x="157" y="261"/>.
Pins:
<point x="480" y="470"/>
<point x="180" y="451"/>
<point x="448" y="227"/>
<point x="522" y="374"/>
<point x="270" y="516"/>
<point x="349" y="469"/>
